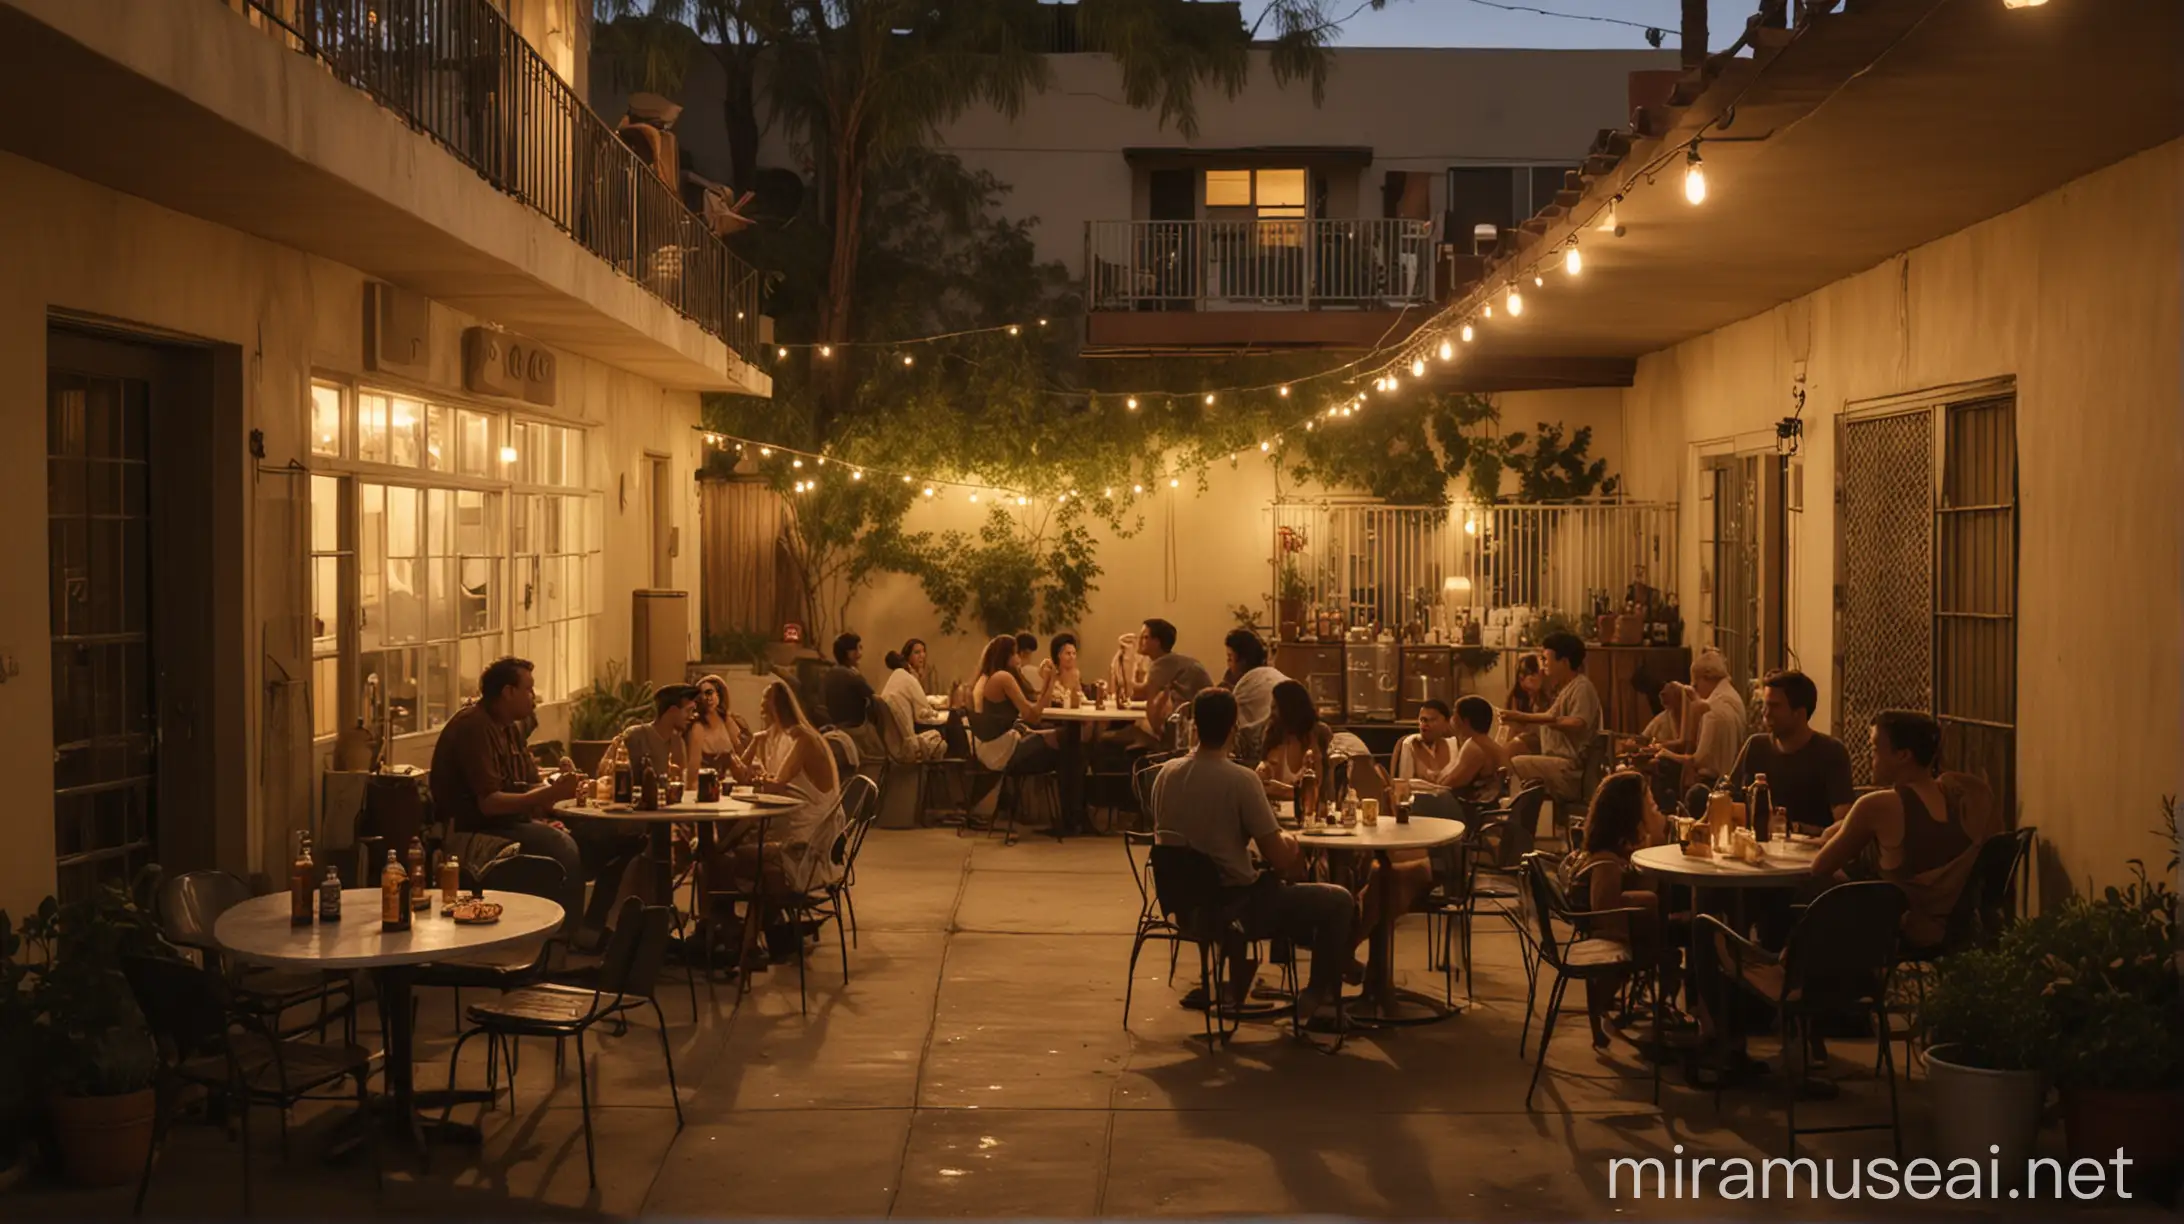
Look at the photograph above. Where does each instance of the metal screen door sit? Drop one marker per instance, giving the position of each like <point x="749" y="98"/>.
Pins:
<point x="1734" y="554"/>
<point x="1927" y="601"/>
<point x="1884" y="639"/>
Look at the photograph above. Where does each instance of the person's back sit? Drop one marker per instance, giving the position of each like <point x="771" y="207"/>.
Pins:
<point x="848" y="695"/>
<point x="1213" y="805"/>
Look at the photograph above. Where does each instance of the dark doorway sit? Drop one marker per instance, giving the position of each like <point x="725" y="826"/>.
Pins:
<point x="131" y="582"/>
<point x="1171" y="252"/>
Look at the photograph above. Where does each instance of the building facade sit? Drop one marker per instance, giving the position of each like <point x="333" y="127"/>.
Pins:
<point x="343" y="359"/>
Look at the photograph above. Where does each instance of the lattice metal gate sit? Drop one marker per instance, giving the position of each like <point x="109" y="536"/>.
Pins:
<point x="1927" y="595"/>
<point x="1884" y="597"/>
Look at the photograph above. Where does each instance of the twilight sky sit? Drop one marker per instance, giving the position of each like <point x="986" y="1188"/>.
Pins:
<point x="1463" y="23"/>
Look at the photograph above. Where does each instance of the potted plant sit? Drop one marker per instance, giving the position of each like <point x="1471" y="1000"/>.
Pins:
<point x="1290" y="595"/>
<point x="2112" y="992"/>
<point x="95" y="1056"/>
<point x="1988" y="1030"/>
<point x="600" y="713"/>
<point x="748" y="646"/>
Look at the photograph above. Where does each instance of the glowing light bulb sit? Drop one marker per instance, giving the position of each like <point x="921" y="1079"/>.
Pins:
<point x="857" y="475"/>
<point x="908" y="360"/>
<point x="1285" y="391"/>
<point x="1394" y="383"/>
<point x="1265" y="447"/>
<point x="765" y="452"/>
<point x="508" y="454"/>
<point x="1209" y="399"/>
<point x="1572" y="262"/>
<point x="1109" y="491"/>
<point x="1131" y="403"/>
<point x="1514" y="301"/>
<point x="1694" y="178"/>
<point x="928" y="490"/>
<point x="1471" y="526"/>
<point x="1173" y="483"/>
<point x="1042" y="322"/>
<point x="1014" y="330"/>
<point x="1023" y="501"/>
<point x="826" y="350"/>
<point x="781" y="352"/>
<point x="1467" y="333"/>
<point x="1137" y="488"/>
<point x="1418" y="367"/>
<point x="1488" y="312"/>
<point x="796" y="463"/>
<point x="1448" y="351"/>
<point x="1608" y="222"/>
<point x="974" y="499"/>
<point x="1308" y="426"/>
<point x="906" y="480"/>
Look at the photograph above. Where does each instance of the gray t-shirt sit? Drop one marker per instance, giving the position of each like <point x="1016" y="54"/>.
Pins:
<point x="1178" y="675"/>
<point x="1578" y="699"/>
<point x="1213" y="805"/>
<point x="645" y="743"/>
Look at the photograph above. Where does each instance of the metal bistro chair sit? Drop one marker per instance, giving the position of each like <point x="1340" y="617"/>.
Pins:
<point x="191" y="903"/>
<point x="230" y="1052"/>
<point x="533" y="875"/>
<point x="1572" y="957"/>
<point x="626" y="980"/>
<point x="1836" y="963"/>
<point x="1187" y="887"/>
<point x="860" y="811"/>
<point x="1152" y="923"/>
<point x="1981" y="913"/>
<point x="822" y="903"/>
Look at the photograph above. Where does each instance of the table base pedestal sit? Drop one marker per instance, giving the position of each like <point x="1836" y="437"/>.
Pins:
<point x="1401" y="1008"/>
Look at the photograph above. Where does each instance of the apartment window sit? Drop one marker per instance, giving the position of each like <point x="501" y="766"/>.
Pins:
<point x="1500" y="196"/>
<point x="1274" y="195"/>
<point x="437" y="547"/>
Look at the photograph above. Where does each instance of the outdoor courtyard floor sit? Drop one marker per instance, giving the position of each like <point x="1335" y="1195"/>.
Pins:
<point x="976" y="1065"/>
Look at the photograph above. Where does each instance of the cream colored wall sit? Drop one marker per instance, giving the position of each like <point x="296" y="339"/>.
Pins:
<point x="72" y="247"/>
<point x="1417" y="109"/>
<point x="2076" y="296"/>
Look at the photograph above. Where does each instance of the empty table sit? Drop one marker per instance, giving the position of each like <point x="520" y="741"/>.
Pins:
<point x="258" y="930"/>
<point x="1382" y="1002"/>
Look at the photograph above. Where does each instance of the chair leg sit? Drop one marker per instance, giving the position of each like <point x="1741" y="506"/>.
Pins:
<point x="1129" y="981"/>
<point x="454" y="1059"/>
<point x="841" y="940"/>
<point x="1546" y="1031"/>
<point x="1531" y="998"/>
<point x="583" y="1096"/>
<point x="667" y="1054"/>
<point x="242" y="1113"/>
<point x="1792" y="1035"/>
<point x="162" y="1106"/>
<point x="803" y="996"/>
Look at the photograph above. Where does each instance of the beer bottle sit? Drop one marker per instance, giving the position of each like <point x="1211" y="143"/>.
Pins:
<point x="420" y="883"/>
<point x="300" y="885"/>
<point x="1761" y="800"/>
<point x="394" y="912"/>
<point x="451" y="881"/>
<point x="648" y="794"/>
<point x="1307" y="788"/>
<point x="329" y="897"/>
<point x="623" y="780"/>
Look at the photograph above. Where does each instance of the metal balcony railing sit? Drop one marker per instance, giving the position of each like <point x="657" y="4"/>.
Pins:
<point x="1257" y="265"/>
<point x="458" y="72"/>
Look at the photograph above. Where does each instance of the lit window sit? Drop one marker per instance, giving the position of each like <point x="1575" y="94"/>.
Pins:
<point x="325" y="419"/>
<point x="1228" y="188"/>
<point x="1280" y="193"/>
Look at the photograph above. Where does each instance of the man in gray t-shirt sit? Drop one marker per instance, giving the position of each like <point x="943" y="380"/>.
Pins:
<point x="1568" y="727"/>
<point x="1172" y="680"/>
<point x="1209" y="803"/>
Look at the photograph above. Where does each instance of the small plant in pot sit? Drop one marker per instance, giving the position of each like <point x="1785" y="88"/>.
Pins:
<point x="2112" y="991"/>
<point x="1988" y="1032"/>
<point x="95" y="1059"/>
<point x="600" y="713"/>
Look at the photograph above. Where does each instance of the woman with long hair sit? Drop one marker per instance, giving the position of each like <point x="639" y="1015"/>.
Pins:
<point x="715" y="735"/>
<point x="931" y="731"/>
<point x="1294" y="734"/>
<point x="1623" y="820"/>
<point x="998" y="705"/>
<point x="788" y="757"/>
<point x="1527" y="695"/>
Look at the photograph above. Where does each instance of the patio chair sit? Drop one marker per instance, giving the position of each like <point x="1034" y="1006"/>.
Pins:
<point x="234" y="1054"/>
<point x="1573" y="957"/>
<point x="514" y="966"/>
<point x="188" y="907"/>
<point x="1187" y="888"/>
<point x="820" y="904"/>
<point x="1836" y="963"/>
<point x="1490" y="863"/>
<point x="1152" y="924"/>
<point x="1978" y="918"/>
<point x="626" y="980"/>
<point x="860" y="811"/>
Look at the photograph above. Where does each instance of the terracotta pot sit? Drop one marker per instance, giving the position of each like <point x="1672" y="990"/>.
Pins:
<point x="2148" y="1124"/>
<point x="588" y="753"/>
<point x="103" y="1139"/>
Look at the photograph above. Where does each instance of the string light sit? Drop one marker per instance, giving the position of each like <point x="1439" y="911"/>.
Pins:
<point x="1173" y="483"/>
<point x="1418" y="367"/>
<point x="1014" y="330"/>
<point x="1022" y="500"/>
<point x="1137" y="488"/>
<point x="796" y="463"/>
<point x="1264" y="447"/>
<point x="1694" y="176"/>
<point x="826" y="350"/>
<point x="908" y="360"/>
<point x="858" y="474"/>
<point x="765" y="452"/>
<point x="1132" y="403"/>
<point x="1572" y="262"/>
<point x="781" y="352"/>
<point x="1514" y="301"/>
<point x="1448" y="351"/>
<point x="1285" y="391"/>
<point x="1467" y="333"/>
<point x="1209" y="399"/>
<point x="928" y="490"/>
<point x="1488" y="312"/>
<point x="906" y="478"/>
<point x="1538" y="282"/>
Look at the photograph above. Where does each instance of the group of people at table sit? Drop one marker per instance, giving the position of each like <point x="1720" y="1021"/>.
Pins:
<point x="1256" y="733"/>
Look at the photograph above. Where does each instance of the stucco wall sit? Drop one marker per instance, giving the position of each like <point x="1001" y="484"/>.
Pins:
<point x="2076" y="296"/>
<point x="70" y="246"/>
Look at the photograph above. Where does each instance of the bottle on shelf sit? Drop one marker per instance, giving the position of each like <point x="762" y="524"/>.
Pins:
<point x="394" y="911"/>
<point x="329" y="895"/>
<point x="301" y="884"/>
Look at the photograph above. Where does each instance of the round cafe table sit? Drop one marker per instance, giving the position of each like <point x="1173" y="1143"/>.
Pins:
<point x="1787" y="866"/>
<point x="1383" y="1002"/>
<point x="1069" y="771"/>
<point x="740" y="804"/>
<point x="259" y="931"/>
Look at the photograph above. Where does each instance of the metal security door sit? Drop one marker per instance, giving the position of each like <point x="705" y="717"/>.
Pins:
<point x="1975" y="613"/>
<point x="1733" y="558"/>
<point x="1884" y="594"/>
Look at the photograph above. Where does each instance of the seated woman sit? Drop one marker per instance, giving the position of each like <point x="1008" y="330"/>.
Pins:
<point x="714" y="736"/>
<point x="1060" y="670"/>
<point x="787" y="757"/>
<point x="998" y="704"/>
<point x="1600" y="877"/>
<point x="923" y="729"/>
<point x="1295" y="737"/>
<point x="1527" y="696"/>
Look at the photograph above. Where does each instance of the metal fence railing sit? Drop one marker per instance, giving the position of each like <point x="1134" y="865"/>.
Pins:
<point x="1299" y="264"/>
<point x="458" y="72"/>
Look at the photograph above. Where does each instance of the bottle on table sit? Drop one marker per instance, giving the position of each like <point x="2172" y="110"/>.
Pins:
<point x="648" y="789"/>
<point x="329" y="895"/>
<point x="1307" y="789"/>
<point x="420" y="883"/>
<point x="624" y="780"/>
<point x="451" y="881"/>
<point x="1768" y="821"/>
<point x="394" y="911"/>
<point x="301" y="885"/>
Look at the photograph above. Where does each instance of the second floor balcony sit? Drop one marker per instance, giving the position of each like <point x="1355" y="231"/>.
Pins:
<point x="1339" y="279"/>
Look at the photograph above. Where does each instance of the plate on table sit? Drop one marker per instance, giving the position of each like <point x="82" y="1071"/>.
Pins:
<point x="764" y="798"/>
<point x="1337" y="831"/>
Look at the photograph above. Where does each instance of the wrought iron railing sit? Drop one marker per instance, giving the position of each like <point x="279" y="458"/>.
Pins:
<point x="1243" y="265"/>
<point x="458" y="72"/>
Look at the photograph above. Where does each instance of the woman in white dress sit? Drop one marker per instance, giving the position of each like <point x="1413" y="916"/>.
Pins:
<point x="788" y="757"/>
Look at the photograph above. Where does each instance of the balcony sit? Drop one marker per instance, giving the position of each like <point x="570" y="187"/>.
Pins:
<point x="1305" y="283"/>
<point x="423" y="142"/>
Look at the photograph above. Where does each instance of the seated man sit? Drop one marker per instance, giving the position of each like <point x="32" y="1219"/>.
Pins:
<point x="1171" y="680"/>
<point x="484" y="780"/>
<point x="1712" y="731"/>
<point x="847" y="696"/>
<point x="1568" y="725"/>
<point x="1208" y="803"/>
<point x="659" y="743"/>
<point x="1925" y="826"/>
<point x="1808" y="771"/>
